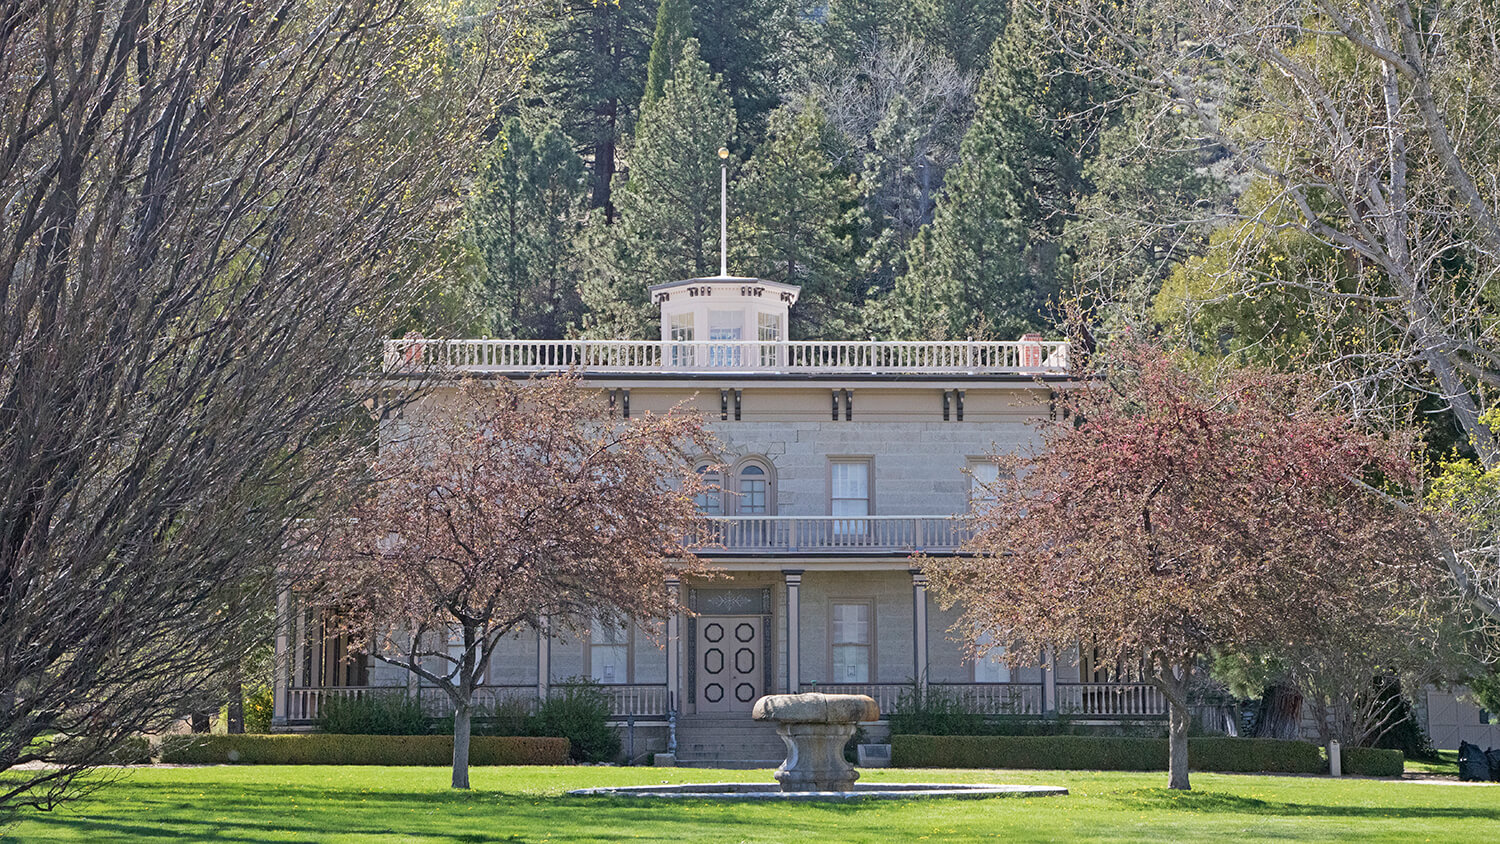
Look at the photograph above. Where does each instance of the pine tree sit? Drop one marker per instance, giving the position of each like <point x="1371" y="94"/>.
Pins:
<point x="674" y="26"/>
<point x="591" y="77"/>
<point x="993" y="256"/>
<point x="962" y="30"/>
<point x="527" y="210"/>
<point x="792" y="210"/>
<point x="741" y="42"/>
<point x="668" y="227"/>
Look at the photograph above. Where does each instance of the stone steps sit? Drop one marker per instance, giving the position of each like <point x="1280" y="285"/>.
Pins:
<point x="728" y="742"/>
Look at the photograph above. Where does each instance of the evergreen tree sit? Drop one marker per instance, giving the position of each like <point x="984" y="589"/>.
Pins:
<point x="962" y="30"/>
<point x="668" y="226"/>
<point x="674" y="26"/>
<point x="591" y="77"/>
<point x="527" y="210"/>
<point x="792" y="222"/>
<point x="741" y="42"/>
<point x="993" y="256"/>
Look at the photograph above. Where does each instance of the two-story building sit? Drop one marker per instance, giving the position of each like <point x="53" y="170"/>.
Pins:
<point x="838" y="462"/>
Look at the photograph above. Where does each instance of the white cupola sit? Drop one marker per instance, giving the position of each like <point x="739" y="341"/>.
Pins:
<point x="724" y="308"/>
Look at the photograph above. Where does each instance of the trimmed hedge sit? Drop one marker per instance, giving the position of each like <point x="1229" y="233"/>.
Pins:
<point x="1104" y="753"/>
<point x="1372" y="762"/>
<point x="325" y="749"/>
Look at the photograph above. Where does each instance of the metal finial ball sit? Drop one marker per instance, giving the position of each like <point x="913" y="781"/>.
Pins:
<point x="723" y="152"/>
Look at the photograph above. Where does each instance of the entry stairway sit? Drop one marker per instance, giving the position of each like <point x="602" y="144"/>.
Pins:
<point x="728" y="741"/>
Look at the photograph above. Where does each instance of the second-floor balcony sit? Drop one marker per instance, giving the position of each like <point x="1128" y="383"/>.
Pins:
<point x="1020" y="357"/>
<point x="879" y="535"/>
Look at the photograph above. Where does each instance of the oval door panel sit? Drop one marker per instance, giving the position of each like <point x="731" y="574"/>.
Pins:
<point x="744" y="660"/>
<point x="713" y="660"/>
<point x="713" y="632"/>
<point x="713" y="692"/>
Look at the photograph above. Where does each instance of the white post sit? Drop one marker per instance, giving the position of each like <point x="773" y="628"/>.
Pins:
<point x="1335" y="759"/>
<point x="283" y="667"/>
<point x="793" y="630"/>
<point x="919" y="625"/>
<point x="724" y="212"/>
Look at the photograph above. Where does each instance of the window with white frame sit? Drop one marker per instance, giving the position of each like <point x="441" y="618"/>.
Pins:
<point x="850" y="496"/>
<point x="725" y="325"/>
<point x="609" y="653"/>
<point x="984" y="473"/>
<point x="991" y="666"/>
<point x="680" y="330"/>
<point x="768" y="332"/>
<point x="851" y="642"/>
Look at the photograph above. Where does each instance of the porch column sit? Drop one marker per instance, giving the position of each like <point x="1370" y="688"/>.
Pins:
<point x="283" y="667"/>
<point x="543" y="658"/>
<point x="919" y="627"/>
<point x="674" y="644"/>
<point x="1049" y="685"/>
<point x="793" y="629"/>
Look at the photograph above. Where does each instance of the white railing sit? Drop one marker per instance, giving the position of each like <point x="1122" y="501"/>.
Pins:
<point x="637" y="700"/>
<point x="995" y="698"/>
<point x="886" y="695"/>
<point x="877" y="357"/>
<point x="435" y="701"/>
<point x="834" y="534"/>
<point x="1110" y="699"/>
<point x="304" y="704"/>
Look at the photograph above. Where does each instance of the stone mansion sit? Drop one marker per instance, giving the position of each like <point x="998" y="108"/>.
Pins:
<point x="839" y="461"/>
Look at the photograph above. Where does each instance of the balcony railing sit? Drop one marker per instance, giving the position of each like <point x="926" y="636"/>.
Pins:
<point x="886" y="695"/>
<point x="789" y="356"/>
<point x="834" y="534"/>
<point x="995" y="698"/>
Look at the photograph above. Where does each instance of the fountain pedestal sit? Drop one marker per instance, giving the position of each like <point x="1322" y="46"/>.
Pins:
<point x="815" y="728"/>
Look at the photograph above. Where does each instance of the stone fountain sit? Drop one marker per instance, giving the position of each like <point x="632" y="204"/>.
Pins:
<point x="816" y="727"/>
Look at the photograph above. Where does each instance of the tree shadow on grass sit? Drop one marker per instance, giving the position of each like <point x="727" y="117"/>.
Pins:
<point x="1219" y="802"/>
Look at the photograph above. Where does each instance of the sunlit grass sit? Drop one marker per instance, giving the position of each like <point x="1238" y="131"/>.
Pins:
<point x="367" y="804"/>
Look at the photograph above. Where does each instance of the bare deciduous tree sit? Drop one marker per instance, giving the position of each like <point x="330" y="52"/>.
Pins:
<point x="211" y="212"/>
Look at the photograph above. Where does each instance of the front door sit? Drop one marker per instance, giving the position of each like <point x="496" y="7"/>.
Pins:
<point x="730" y="674"/>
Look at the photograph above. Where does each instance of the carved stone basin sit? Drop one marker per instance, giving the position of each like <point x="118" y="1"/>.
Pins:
<point x="815" y="728"/>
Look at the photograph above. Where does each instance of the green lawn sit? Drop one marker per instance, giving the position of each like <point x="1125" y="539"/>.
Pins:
<point x="367" y="804"/>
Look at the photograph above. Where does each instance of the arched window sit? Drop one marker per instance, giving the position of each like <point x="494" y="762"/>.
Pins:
<point x="755" y="493"/>
<point x="711" y="499"/>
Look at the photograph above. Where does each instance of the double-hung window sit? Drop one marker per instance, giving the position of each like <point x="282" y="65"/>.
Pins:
<point x="851" y="642"/>
<point x="991" y="666"/>
<point x="609" y="653"/>
<point x="850" y="500"/>
<point x="768" y="332"/>
<point x="681" y="334"/>
<point x="727" y="326"/>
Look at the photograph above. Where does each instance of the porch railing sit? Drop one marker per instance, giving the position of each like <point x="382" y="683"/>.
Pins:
<point x="886" y="695"/>
<point x="637" y="700"/>
<point x="996" y="698"/>
<point x="878" y="357"/>
<point x="1113" y="700"/>
<point x="830" y="534"/>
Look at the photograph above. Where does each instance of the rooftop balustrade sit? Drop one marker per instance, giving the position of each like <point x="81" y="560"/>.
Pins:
<point x="1019" y="357"/>
<point x="734" y="535"/>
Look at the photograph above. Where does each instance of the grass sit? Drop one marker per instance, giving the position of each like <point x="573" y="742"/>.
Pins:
<point x="1446" y="764"/>
<point x="369" y="804"/>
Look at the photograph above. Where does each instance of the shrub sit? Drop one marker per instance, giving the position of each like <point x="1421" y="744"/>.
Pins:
<point x="131" y="750"/>
<point x="344" y="749"/>
<point x="260" y="705"/>
<point x="1102" y="753"/>
<point x="1372" y="762"/>
<point x="509" y="717"/>
<point x="378" y="714"/>
<point x="578" y="712"/>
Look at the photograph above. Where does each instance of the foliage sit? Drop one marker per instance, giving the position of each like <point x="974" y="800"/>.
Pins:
<point x="1168" y="512"/>
<point x="1103" y="753"/>
<point x="668" y="227"/>
<point x="579" y="714"/>
<point x="1371" y="762"/>
<point x="527" y="211"/>
<point x="674" y="26"/>
<point x="212" y="213"/>
<point x="392" y="713"/>
<point x="259" y="708"/>
<point x="331" y="749"/>
<point x="521" y="503"/>
<point x="792" y="225"/>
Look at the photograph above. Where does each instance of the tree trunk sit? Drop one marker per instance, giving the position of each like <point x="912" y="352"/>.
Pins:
<point x="234" y="721"/>
<point x="461" y="745"/>
<point x="1177" y="747"/>
<point x="199" y="722"/>
<point x="1279" y="715"/>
